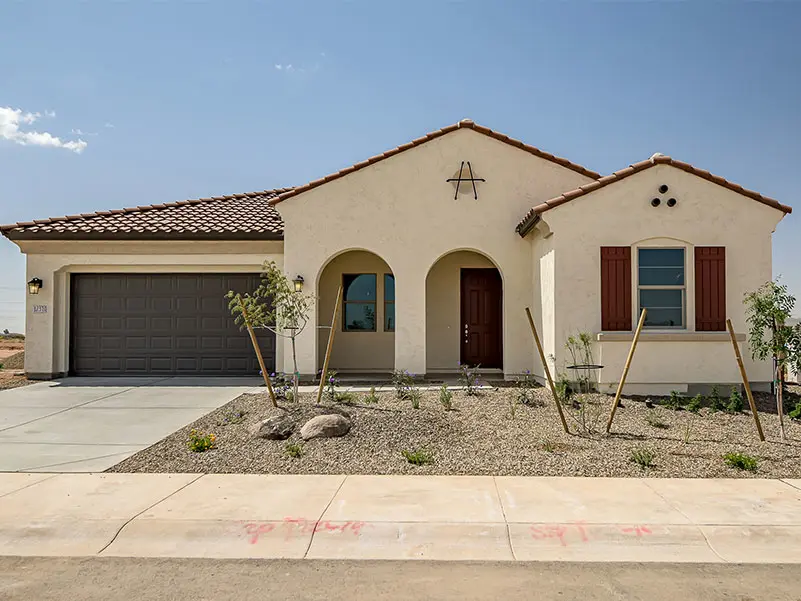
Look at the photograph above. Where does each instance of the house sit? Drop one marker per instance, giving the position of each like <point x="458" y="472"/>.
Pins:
<point x="440" y="244"/>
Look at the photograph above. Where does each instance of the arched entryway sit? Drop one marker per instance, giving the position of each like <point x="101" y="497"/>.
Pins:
<point x="365" y="337"/>
<point x="464" y="312"/>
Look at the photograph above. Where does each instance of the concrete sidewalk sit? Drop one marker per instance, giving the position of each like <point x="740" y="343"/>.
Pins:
<point x="401" y="517"/>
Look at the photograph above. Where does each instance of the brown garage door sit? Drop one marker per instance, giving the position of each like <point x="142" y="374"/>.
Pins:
<point x="171" y="324"/>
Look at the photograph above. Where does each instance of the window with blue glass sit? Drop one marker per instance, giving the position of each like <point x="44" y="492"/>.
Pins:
<point x="359" y="302"/>
<point x="661" y="286"/>
<point x="389" y="302"/>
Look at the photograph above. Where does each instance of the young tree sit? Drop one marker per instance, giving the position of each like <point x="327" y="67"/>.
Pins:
<point x="276" y="306"/>
<point x="769" y="336"/>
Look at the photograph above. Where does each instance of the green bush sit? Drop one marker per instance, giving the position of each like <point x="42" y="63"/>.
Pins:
<point x="331" y="383"/>
<point x="446" y="397"/>
<point x="741" y="461"/>
<point x="418" y="457"/>
<point x="200" y="442"/>
<point x="548" y="445"/>
<point x="526" y="391"/>
<point x="796" y="413"/>
<point x="735" y="404"/>
<point x="403" y="381"/>
<point x="468" y="377"/>
<point x="642" y="457"/>
<point x="372" y="397"/>
<point x="695" y="404"/>
<point x="675" y="401"/>
<point x="715" y="402"/>
<point x="294" y="450"/>
<point x="414" y="396"/>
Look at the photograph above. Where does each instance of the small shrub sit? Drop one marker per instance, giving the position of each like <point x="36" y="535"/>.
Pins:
<point x="688" y="426"/>
<point x="735" y="404"/>
<point x="741" y="461"/>
<point x="548" y="445"/>
<point x="526" y="391"/>
<point x="232" y="417"/>
<point x="414" y="396"/>
<point x="653" y="420"/>
<point x="715" y="402"/>
<point x="446" y="398"/>
<point x="675" y="401"/>
<point x="796" y="413"/>
<point x="282" y="386"/>
<point x="331" y="383"/>
<point x="372" y="397"/>
<point x="294" y="449"/>
<point x="642" y="457"/>
<point x="418" y="457"/>
<point x="562" y="386"/>
<point x="403" y="381"/>
<point x="346" y="398"/>
<point x="587" y="412"/>
<point x="468" y="378"/>
<point x="200" y="442"/>
<point x="695" y="404"/>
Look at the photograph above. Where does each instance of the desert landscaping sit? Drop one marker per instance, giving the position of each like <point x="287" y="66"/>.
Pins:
<point x="12" y="361"/>
<point x="500" y="430"/>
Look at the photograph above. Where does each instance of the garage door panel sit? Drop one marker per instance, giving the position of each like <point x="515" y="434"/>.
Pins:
<point x="161" y="323"/>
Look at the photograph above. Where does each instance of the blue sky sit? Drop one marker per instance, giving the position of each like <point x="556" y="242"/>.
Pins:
<point x="178" y="100"/>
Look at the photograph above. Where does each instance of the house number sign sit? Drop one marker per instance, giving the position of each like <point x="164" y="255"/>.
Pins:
<point x="40" y="308"/>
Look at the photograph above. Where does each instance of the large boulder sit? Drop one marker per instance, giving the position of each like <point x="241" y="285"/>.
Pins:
<point x="325" y="426"/>
<point x="278" y="427"/>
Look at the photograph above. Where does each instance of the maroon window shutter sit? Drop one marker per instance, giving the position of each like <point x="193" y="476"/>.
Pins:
<point x="615" y="288"/>
<point x="710" y="288"/>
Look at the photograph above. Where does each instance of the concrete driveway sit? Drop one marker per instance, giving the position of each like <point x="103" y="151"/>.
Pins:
<point x="90" y="424"/>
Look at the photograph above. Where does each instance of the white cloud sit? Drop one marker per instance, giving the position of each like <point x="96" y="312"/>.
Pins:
<point x="80" y="132"/>
<point x="108" y="125"/>
<point x="11" y="119"/>
<point x="288" y="67"/>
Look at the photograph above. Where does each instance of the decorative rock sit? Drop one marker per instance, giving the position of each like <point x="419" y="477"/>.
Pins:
<point x="649" y="403"/>
<point x="326" y="410"/>
<point x="278" y="427"/>
<point x="325" y="426"/>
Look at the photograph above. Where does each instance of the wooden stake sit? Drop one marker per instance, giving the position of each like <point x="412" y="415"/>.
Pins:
<point x="256" y="348"/>
<point x="746" y="385"/>
<point x="626" y="370"/>
<point x="324" y="373"/>
<point x="547" y="371"/>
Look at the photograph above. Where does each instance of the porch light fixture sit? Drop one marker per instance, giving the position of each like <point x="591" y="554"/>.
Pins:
<point x="34" y="286"/>
<point x="298" y="281"/>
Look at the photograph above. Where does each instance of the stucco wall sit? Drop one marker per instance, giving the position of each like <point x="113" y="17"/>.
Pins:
<point x="354" y="351"/>
<point x="443" y="309"/>
<point x="621" y="215"/>
<point x="403" y="209"/>
<point x="47" y="334"/>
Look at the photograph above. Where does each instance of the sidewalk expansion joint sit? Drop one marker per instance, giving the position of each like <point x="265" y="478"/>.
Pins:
<point x="322" y="513"/>
<point x="151" y="506"/>
<point x="698" y="526"/>
<point x="505" y="519"/>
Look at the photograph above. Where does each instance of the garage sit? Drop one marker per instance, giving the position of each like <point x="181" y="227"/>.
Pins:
<point x="160" y="324"/>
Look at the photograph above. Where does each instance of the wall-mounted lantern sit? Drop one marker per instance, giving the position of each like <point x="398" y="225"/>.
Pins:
<point x="34" y="286"/>
<point x="298" y="281"/>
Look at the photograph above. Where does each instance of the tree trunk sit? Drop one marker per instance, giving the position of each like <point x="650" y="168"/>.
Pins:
<point x="780" y="400"/>
<point x="295" y="374"/>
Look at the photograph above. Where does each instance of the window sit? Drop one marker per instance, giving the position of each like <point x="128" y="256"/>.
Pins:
<point x="661" y="286"/>
<point x="359" y="295"/>
<point x="389" y="302"/>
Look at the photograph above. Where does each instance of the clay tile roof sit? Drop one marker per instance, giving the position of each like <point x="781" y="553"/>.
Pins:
<point x="532" y="217"/>
<point x="242" y="216"/>
<point x="463" y="124"/>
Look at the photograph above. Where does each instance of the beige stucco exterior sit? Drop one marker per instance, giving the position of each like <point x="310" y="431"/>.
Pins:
<point x="399" y="216"/>
<point x="354" y="351"/>
<point x="403" y="209"/>
<point x="706" y="214"/>
<point x="47" y="334"/>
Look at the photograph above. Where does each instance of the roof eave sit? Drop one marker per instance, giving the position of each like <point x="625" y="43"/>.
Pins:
<point x="148" y="236"/>
<point x="529" y="223"/>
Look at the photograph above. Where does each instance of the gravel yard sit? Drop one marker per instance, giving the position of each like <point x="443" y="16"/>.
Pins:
<point x="486" y="434"/>
<point x="11" y="371"/>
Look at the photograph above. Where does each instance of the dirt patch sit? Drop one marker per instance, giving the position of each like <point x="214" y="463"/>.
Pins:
<point x="490" y="434"/>
<point x="10" y="379"/>
<point x="15" y="361"/>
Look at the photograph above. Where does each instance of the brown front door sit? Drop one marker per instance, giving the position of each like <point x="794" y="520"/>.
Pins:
<point x="482" y="342"/>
